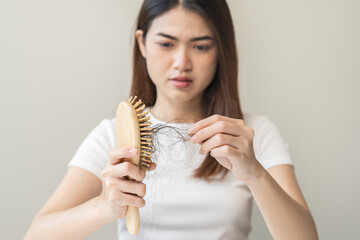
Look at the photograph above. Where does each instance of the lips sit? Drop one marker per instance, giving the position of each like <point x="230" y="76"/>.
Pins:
<point x="181" y="81"/>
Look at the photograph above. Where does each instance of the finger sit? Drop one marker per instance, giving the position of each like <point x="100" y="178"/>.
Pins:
<point x="136" y="188"/>
<point x="223" y="151"/>
<point x="225" y="127"/>
<point x="225" y="162"/>
<point x="152" y="166"/>
<point x="218" y="140"/>
<point x="210" y="120"/>
<point x="132" y="200"/>
<point x="117" y="154"/>
<point x="128" y="169"/>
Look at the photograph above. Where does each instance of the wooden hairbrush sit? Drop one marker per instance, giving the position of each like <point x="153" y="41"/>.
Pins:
<point x="132" y="130"/>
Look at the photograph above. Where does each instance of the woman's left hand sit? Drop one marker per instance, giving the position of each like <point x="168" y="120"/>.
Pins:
<point x="229" y="141"/>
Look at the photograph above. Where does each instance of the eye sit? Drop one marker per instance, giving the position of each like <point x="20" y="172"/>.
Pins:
<point x="202" y="48"/>
<point x="165" y="44"/>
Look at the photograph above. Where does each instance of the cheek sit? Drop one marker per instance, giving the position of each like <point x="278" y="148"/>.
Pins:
<point x="208" y="66"/>
<point x="156" y="68"/>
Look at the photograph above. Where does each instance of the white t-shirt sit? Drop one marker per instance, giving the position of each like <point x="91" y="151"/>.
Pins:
<point x="177" y="205"/>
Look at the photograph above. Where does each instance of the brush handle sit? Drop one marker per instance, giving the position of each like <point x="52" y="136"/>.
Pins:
<point x="133" y="220"/>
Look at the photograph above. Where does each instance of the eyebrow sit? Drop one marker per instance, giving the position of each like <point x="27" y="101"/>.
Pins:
<point x="206" y="37"/>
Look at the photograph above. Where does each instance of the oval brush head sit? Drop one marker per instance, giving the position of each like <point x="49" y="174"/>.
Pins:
<point x="132" y="130"/>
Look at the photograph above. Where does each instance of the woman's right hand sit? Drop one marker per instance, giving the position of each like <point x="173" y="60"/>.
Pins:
<point x="117" y="191"/>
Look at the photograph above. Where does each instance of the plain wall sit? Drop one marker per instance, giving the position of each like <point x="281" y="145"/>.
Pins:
<point x="65" y="65"/>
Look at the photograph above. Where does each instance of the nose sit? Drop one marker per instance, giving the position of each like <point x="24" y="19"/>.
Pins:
<point x="182" y="61"/>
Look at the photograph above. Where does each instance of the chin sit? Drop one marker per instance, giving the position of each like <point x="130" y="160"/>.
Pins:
<point x="182" y="97"/>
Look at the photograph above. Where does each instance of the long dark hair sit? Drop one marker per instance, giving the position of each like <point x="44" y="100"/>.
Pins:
<point x="221" y="96"/>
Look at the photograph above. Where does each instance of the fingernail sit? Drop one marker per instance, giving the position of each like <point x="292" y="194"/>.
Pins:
<point x="193" y="139"/>
<point x="132" y="150"/>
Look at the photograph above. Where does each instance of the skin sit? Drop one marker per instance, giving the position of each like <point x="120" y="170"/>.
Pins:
<point x="181" y="52"/>
<point x="83" y="203"/>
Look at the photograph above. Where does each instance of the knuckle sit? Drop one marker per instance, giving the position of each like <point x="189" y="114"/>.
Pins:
<point x="199" y="133"/>
<point x="114" y="152"/>
<point x="109" y="184"/>
<point x="242" y="154"/>
<point x="141" y="174"/>
<point x="241" y="121"/>
<point x="251" y="132"/>
<point x="222" y="125"/>
<point x="245" y="143"/>
<point x="217" y="117"/>
<point x="122" y="152"/>
<point x="227" y="149"/>
<point x="105" y="172"/>
<point x="141" y="202"/>
<point x="141" y="189"/>
<point x="204" y="148"/>
<point x="126" y="167"/>
<point x="220" y="137"/>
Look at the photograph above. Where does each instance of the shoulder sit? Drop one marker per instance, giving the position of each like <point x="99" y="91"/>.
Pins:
<point x="92" y="155"/>
<point x="269" y="146"/>
<point x="104" y="128"/>
<point x="101" y="138"/>
<point x="106" y="124"/>
<point x="263" y="127"/>
<point x="256" y="121"/>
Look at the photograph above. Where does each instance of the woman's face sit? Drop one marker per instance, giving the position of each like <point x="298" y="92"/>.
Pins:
<point x="181" y="55"/>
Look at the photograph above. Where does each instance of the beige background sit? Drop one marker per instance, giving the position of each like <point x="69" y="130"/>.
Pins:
<point x="65" y="65"/>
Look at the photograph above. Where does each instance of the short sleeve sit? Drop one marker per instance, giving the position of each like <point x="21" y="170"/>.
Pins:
<point x="269" y="146"/>
<point x="93" y="153"/>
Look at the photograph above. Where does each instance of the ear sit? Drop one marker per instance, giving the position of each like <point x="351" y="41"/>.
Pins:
<point x="139" y="38"/>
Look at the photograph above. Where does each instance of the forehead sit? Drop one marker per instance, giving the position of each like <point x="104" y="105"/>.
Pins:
<point x="181" y="23"/>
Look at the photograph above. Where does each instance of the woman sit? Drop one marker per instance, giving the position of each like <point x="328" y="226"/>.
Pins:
<point x="185" y="69"/>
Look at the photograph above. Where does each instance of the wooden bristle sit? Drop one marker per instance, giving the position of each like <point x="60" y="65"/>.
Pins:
<point x="146" y="144"/>
<point x="144" y="119"/>
<point x="145" y="124"/>
<point x="133" y="100"/>
<point x="137" y="103"/>
<point x="146" y="139"/>
<point x="146" y="129"/>
<point x="145" y="159"/>
<point x="146" y="134"/>
<point x="140" y="115"/>
<point x="145" y="165"/>
<point x="140" y="108"/>
<point x="148" y="148"/>
<point x="144" y="153"/>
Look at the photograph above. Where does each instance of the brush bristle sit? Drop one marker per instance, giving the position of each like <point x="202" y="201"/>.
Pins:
<point x="146" y="132"/>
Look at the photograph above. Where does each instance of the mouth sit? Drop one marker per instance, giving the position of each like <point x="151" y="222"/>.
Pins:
<point x="181" y="78"/>
<point x="181" y="82"/>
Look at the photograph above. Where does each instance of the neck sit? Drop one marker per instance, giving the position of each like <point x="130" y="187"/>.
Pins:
<point x="178" y="112"/>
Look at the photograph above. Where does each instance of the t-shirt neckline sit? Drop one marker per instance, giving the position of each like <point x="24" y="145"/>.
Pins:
<point x="156" y="120"/>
